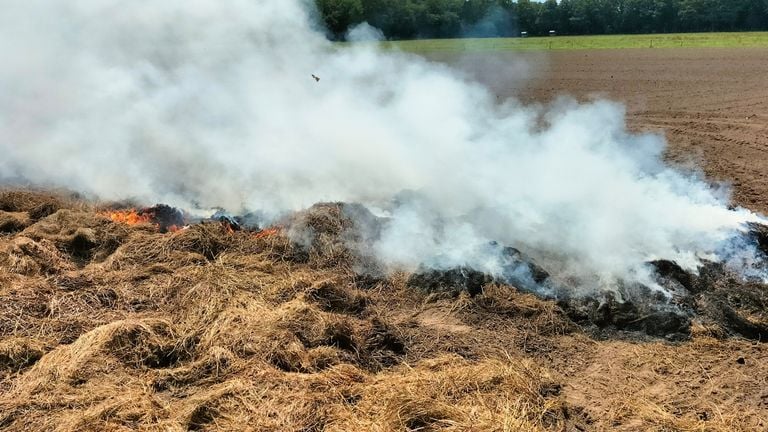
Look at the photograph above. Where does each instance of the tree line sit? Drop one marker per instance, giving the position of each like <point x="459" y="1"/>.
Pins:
<point x="409" y="19"/>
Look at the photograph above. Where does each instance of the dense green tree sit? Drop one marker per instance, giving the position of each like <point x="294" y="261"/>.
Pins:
<point x="753" y="14"/>
<point x="597" y="16"/>
<point x="339" y="15"/>
<point x="667" y="13"/>
<point x="484" y="18"/>
<point x="692" y="14"/>
<point x="401" y="19"/>
<point x="396" y="18"/>
<point x="473" y="11"/>
<point x="440" y="18"/>
<point x="636" y="16"/>
<point x="526" y="16"/>
<point x="564" y="16"/>
<point x="548" y="16"/>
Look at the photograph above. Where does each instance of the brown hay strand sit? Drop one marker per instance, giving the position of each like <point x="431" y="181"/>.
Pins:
<point x="19" y="353"/>
<point x="29" y="257"/>
<point x="205" y="329"/>
<point x="334" y="235"/>
<point x="449" y="393"/>
<point x="39" y="204"/>
<point x="84" y="236"/>
<point x="13" y="222"/>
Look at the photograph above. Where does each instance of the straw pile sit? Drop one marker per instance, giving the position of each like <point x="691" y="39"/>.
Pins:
<point x="110" y="327"/>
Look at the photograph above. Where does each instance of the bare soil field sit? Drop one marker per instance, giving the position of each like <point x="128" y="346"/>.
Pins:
<point x="112" y="323"/>
<point x="711" y="103"/>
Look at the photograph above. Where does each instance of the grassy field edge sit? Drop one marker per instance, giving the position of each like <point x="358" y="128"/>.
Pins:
<point x="672" y="40"/>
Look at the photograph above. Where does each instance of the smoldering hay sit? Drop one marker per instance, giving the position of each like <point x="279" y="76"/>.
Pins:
<point x="202" y="104"/>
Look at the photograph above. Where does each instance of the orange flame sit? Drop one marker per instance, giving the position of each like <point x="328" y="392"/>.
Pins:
<point x="228" y="228"/>
<point x="128" y="217"/>
<point x="268" y="232"/>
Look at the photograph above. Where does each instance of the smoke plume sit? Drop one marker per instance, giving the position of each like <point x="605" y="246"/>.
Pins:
<point x="206" y="104"/>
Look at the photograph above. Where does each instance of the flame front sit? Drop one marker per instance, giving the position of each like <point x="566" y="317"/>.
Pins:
<point x="129" y="217"/>
<point x="228" y="228"/>
<point x="268" y="232"/>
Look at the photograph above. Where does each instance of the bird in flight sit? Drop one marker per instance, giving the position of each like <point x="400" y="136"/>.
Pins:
<point x="317" y="78"/>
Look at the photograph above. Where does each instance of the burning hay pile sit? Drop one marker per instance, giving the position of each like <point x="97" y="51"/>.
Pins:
<point x="119" y="324"/>
<point x="489" y="265"/>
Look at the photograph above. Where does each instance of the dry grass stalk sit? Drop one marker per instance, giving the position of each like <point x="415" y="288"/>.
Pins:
<point x="108" y="327"/>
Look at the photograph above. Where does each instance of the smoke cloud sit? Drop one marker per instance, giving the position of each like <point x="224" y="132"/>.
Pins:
<point x="364" y="32"/>
<point x="497" y="22"/>
<point x="203" y="104"/>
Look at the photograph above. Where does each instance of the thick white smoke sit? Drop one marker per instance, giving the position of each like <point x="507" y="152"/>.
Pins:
<point x="201" y="103"/>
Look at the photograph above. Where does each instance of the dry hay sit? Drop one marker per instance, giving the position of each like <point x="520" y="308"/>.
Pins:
<point x="38" y="203"/>
<point x="17" y="354"/>
<point x="189" y="373"/>
<point x="334" y="235"/>
<point x="528" y="311"/>
<point x="452" y="394"/>
<point x="690" y="387"/>
<point x="83" y="236"/>
<point x="196" y="245"/>
<point x="205" y="329"/>
<point x="13" y="222"/>
<point x="20" y="208"/>
<point x="26" y="256"/>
